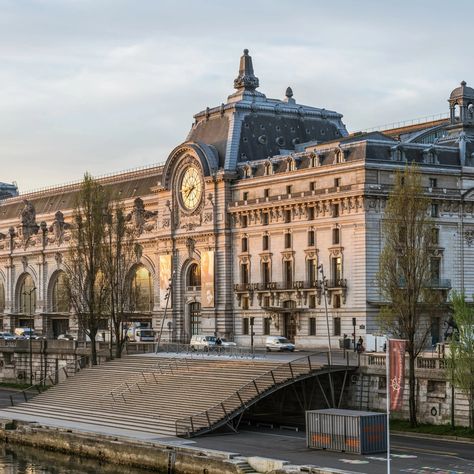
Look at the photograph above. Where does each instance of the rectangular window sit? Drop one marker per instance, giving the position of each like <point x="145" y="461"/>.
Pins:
<point x="312" y="185"/>
<point x="312" y="326"/>
<point x="265" y="272"/>
<point x="311" y="213"/>
<point x="287" y="240"/>
<point x="433" y="183"/>
<point x="336" y="237"/>
<point x="289" y="189"/>
<point x="311" y="271"/>
<point x="245" y="302"/>
<point x="311" y="238"/>
<point x="312" y="301"/>
<point x="288" y="269"/>
<point x="265" y="218"/>
<point x="245" y="195"/>
<point x="336" y="269"/>
<point x="435" y="270"/>
<point x="335" y="210"/>
<point x="245" y="326"/>
<point x="244" y="273"/>
<point x="288" y="216"/>
<point x="266" y="192"/>
<point x="265" y="241"/>
<point x="244" y="221"/>
<point x="266" y="326"/>
<point x="337" y="182"/>
<point x="245" y="246"/>
<point x="336" y="301"/>
<point x="434" y="210"/>
<point x="337" y="326"/>
<point x="266" y="301"/>
<point x="435" y="236"/>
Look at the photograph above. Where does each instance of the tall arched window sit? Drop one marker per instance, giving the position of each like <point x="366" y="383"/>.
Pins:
<point x="27" y="295"/>
<point x="194" y="275"/>
<point x="2" y="297"/>
<point x="60" y="297"/>
<point x="142" y="291"/>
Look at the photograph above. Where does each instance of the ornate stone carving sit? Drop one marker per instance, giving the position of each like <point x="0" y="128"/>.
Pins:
<point x="28" y="225"/>
<point x="57" y="228"/>
<point x="59" y="259"/>
<point x="139" y="217"/>
<point x="469" y="237"/>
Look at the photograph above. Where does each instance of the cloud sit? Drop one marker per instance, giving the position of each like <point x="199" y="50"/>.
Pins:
<point x="113" y="84"/>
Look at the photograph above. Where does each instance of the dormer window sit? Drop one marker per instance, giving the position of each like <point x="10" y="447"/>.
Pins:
<point x="397" y="153"/>
<point x="430" y="156"/>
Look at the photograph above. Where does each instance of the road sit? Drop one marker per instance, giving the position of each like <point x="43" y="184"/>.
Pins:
<point x="409" y="455"/>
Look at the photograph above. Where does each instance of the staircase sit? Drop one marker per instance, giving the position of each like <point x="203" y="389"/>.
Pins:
<point x="141" y="393"/>
<point x="163" y="396"/>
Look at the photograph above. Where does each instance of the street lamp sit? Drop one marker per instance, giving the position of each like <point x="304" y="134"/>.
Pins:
<point x="167" y="298"/>
<point x="29" y="293"/>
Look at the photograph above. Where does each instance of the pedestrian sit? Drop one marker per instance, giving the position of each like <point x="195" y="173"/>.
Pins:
<point x="360" y="345"/>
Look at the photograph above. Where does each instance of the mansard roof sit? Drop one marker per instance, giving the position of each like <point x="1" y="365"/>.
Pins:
<point x="250" y="126"/>
<point x="123" y="185"/>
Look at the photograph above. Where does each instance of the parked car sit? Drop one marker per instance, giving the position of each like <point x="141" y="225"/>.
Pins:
<point x="279" y="343"/>
<point x="7" y="336"/>
<point x="65" y="337"/>
<point x="226" y="343"/>
<point x="26" y="333"/>
<point x="200" y="342"/>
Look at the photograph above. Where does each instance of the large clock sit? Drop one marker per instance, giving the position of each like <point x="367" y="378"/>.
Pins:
<point x="190" y="188"/>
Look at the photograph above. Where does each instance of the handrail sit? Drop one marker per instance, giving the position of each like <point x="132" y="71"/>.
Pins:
<point x="53" y="377"/>
<point x="129" y="385"/>
<point x="191" y="423"/>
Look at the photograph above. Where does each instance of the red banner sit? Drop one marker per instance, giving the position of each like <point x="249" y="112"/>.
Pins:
<point x="396" y="348"/>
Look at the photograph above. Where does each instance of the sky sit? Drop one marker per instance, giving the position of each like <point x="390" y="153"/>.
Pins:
<point x="109" y="85"/>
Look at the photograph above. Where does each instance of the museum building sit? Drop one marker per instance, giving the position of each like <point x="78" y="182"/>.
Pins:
<point x="266" y="210"/>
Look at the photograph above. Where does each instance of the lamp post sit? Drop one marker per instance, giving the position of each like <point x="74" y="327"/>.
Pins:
<point x="29" y="293"/>
<point x="167" y="297"/>
<point x="323" y="289"/>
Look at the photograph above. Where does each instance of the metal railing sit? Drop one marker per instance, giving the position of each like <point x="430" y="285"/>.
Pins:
<point x="121" y="392"/>
<point x="215" y="350"/>
<point x="53" y="378"/>
<point x="249" y="393"/>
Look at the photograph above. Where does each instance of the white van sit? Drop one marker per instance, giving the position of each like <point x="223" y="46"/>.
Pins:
<point x="139" y="334"/>
<point x="200" y="342"/>
<point x="279" y="343"/>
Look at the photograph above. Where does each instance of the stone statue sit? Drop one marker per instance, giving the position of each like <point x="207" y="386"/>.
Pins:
<point x="28" y="214"/>
<point x="139" y="216"/>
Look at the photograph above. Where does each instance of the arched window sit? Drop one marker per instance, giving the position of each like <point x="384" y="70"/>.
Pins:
<point x="142" y="290"/>
<point x="27" y="295"/>
<point x="194" y="275"/>
<point x="2" y="297"/>
<point x="59" y="295"/>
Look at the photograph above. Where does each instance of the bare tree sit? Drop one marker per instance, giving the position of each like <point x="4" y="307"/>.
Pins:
<point x="119" y="256"/>
<point x="404" y="276"/>
<point x="87" y="287"/>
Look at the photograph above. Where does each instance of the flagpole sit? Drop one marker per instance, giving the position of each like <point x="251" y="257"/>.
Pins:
<point x="387" y="370"/>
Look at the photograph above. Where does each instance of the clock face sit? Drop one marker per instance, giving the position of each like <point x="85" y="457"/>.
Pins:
<point x="191" y="188"/>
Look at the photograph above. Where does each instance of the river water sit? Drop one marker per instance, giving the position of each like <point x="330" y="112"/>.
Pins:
<point x="15" y="459"/>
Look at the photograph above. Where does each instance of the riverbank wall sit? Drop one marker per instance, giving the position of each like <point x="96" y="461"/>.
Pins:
<point x="158" y="457"/>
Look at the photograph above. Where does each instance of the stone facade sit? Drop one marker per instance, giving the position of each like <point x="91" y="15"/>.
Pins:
<point x="242" y="217"/>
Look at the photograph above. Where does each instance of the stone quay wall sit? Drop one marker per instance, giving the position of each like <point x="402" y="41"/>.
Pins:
<point x="434" y="392"/>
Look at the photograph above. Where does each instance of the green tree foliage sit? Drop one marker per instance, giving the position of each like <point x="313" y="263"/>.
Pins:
<point x="461" y="350"/>
<point x="404" y="277"/>
<point x="88" y="289"/>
